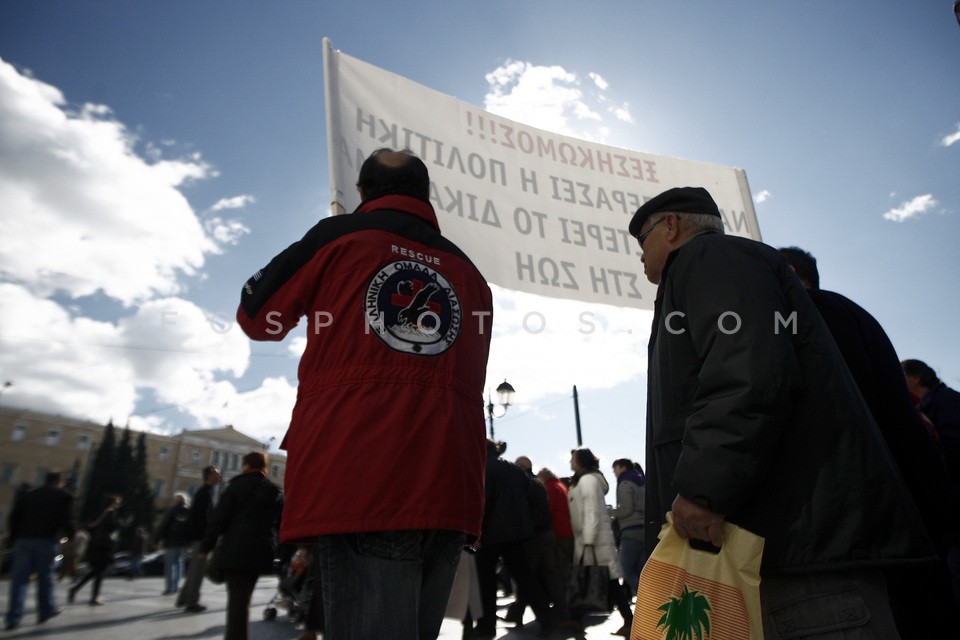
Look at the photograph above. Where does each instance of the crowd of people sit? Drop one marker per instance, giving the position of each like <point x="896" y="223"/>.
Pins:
<point x="771" y="403"/>
<point x="242" y="527"/>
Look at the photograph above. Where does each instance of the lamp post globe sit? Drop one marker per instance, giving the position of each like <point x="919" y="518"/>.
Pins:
<point x="505" y="397"/>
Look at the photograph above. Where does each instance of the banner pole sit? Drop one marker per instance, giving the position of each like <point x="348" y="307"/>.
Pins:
<point x="329" y="86"/>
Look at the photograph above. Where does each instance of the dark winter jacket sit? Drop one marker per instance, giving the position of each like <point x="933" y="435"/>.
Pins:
<point x="201" y="509"/>
<point x="872" y="360"/>
<point x="942" y="405"/>
<point x="539" y="506"/>
<point x="246" y="521"/>
<point x="753" y="414"/>
<point x="506" y="515"/>
<point x="174" y="528"/>
<point x="44" y="512"/>
<point x="103" y="539"/>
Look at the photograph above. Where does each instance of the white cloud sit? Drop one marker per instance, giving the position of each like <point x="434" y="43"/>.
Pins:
<point x="762" y="197"/>
<point x="542" y="344"/>
<point x="225" y="231"/>
<point x="62" y="364"/>
<point x="952" y="138"/>
<point x="82" y="211"/>
<point x="297" y="345"/>
<point x="262" y="413"/>
<point x="599" y="81"/>
<point x="236" y="202"/>
<point x="70" y="364"/>
<point x="911" y="208"/>
<point x="551" y="98"/>
<point x="85" y="217"/>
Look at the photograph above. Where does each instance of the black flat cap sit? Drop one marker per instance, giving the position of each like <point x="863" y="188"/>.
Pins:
<point x="677" y="200"/>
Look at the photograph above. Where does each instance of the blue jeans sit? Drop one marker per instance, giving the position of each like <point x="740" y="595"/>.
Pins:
<point x="835" y="606"/>
<point x="32" y="555"/>
<point x="631" y="562"/>
<point x="172" y="568"/>
<point x="387" y="584"/>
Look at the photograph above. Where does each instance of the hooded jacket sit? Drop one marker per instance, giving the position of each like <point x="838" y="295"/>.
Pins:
<point x="391" y="380"/>
<point x="630" y="501"/>
<point x="752" y="413"/>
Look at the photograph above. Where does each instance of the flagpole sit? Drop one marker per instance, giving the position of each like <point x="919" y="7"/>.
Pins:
<point x="329" y="86"/>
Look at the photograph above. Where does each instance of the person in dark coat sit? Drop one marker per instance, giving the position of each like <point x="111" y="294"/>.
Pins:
<point x="540" y="550"/>
<point x="753" y="418"/>
<point x="201" y="510"/>
<point x="507" y="526"/>
<point x="104" y="532"/>
<point x="921" y="597"/>
<point x="941" y="405"/>
<point x="172" y="536"/>
<point x="245" y="522"/>
<point x="37" y="520"/>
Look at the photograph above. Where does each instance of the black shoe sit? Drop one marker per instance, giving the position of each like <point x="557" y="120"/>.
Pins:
<point x="57" y="611"/>
<point x="195" y="608"/>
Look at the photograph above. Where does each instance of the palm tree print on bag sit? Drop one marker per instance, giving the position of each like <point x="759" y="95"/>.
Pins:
<point x="686" y="617"/>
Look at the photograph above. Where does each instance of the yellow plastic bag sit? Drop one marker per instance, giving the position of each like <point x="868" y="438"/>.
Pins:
<point x="690" y="594"/>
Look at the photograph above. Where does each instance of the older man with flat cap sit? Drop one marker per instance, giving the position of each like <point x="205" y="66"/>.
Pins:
<point x="753" y="417"/>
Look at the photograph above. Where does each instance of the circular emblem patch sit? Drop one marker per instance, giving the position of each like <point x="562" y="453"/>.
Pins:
<point x="413" y="308"/>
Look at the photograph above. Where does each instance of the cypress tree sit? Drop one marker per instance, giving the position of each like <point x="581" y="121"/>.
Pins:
<point x="99" y="480"/>
<point x="141" y="496"/>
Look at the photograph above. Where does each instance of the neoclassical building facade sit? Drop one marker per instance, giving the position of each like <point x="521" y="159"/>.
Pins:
<point x="33" y="443"/>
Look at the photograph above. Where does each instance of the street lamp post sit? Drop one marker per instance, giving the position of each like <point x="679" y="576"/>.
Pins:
<point x="505" y="395"/>
<point x="576" y="415"/>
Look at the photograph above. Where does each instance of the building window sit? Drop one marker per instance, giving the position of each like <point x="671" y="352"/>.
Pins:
<point x="235" y="461"/>
<point x="215" y="458"/>
<point x="274" y="470"/>
<point x="164" y="454"/>
<point x="19" y="432"/>
<point x="53" y="437"/>
<point x="195" y="458"/>
<point x="83" y="442"/>
<point x="8" y="473"/>
<point x="158" y="488"/>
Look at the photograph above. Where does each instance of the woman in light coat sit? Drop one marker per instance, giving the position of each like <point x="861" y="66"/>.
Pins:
<point x="592" y="533"/>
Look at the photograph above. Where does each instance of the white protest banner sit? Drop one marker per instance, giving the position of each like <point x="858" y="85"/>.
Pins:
<point x="535" y="211"/>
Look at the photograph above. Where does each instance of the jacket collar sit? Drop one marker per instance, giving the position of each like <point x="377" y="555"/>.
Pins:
<point x="407" y="204"/>
<point x="673" y="256"/>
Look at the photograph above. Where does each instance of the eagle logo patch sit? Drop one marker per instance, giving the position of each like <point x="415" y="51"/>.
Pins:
<point x="413" y="308"/>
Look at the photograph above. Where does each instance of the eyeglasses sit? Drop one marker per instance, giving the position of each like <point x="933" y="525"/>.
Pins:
<point x="643" y="236"/>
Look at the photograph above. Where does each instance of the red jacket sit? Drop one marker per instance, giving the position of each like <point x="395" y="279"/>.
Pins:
<point x="559" y="509"/>
<point x="388" y="429"/>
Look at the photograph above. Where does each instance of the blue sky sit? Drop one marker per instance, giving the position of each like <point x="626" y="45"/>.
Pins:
<point x="154" y="155"/>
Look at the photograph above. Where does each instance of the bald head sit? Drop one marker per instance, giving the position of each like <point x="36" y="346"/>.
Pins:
<point x="390" y="172"/>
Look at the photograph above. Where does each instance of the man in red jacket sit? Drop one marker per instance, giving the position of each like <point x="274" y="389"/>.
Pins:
<point x="398" y="332"/>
